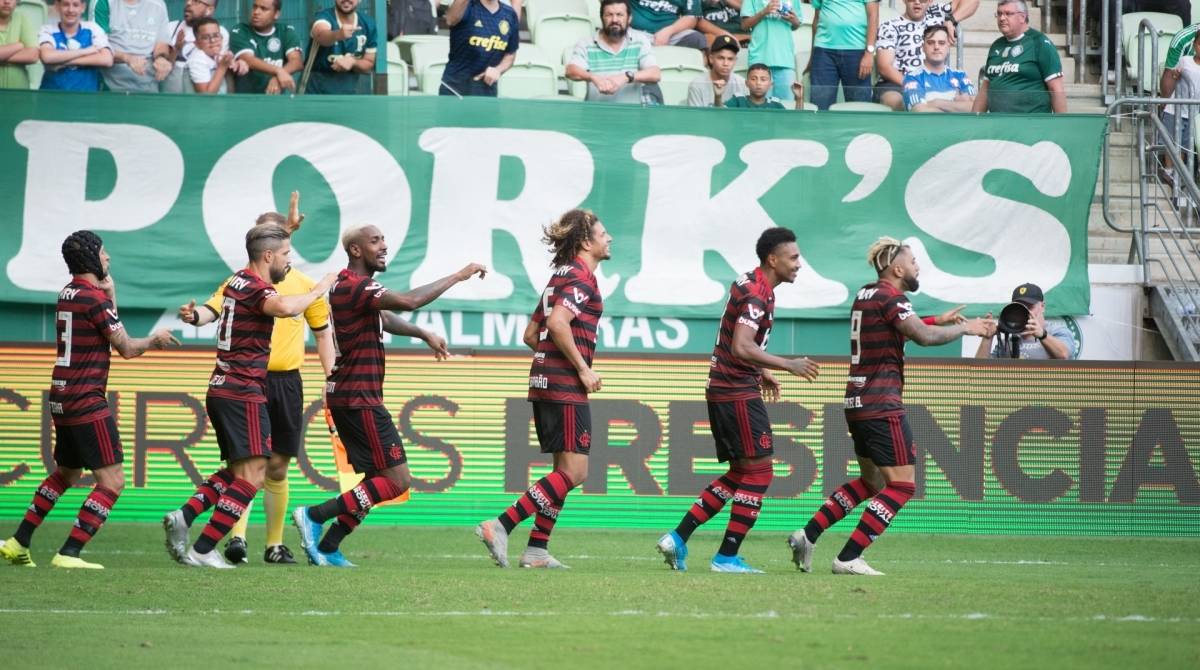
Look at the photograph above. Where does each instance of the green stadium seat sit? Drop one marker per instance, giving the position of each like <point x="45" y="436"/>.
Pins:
<point x="1166" y="25"/>
<point x="558" y="33"/>
<point x="426" y="56"/>
<point x="532" y="75"/>
<point x="397" y="71"/>
<point x="679" y="57"/>
<point x="858" y="107"/>
<point x="405" y="44"/>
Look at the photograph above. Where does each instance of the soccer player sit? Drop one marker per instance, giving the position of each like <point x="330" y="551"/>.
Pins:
<point x="881" y="319"/>
<point x="738" y="379"/>
<point x="85" y="432"/>
<point x="361" y="310"/>
<point x="237" y="394"/>
<point x="562" y="334"/>
<point x="285" y="393"/>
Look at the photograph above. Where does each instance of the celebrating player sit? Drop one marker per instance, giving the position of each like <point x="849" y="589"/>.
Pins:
<point x="562" y="334"/>
<point x="881" y="319"/>
<point x="738" y="378"/>
<point x="237" y="394"/>
<point x="285" y="393"/>
<point x="361" y="310"/>
<point x="85" y="432"/>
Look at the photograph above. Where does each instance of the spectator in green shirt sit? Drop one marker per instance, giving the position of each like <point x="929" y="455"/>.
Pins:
<point x="844" y="34"/>
<point x="270" y="49"/>
<point x="18" y="46"/>
<point x="759" y="82"/>
<point x="669" y="22"/>
<point x="1023" y="73"/>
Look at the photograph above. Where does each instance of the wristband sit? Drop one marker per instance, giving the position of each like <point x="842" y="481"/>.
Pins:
<point x="195" y="317"/>
<point x="1045" y="334"/>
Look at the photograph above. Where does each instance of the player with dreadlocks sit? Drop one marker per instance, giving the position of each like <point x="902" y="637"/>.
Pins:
<point x="85" y="430"/>
<point x="562" y="334"/>
<point x="881" y="319"/>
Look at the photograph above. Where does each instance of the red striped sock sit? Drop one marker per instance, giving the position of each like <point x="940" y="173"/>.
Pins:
<point x="229" y="508"/>
<point x="546" y="493"/>
<point x="206" y="495"/>
<point x="876" y="518"/>
<point x="837" y="506"/>
<point x="358" y="500"/>
<point x="47" y="493"/>
<point x="711" y="501"/>
<point x="543" y="523"/>
<point x="747" y="503"/>
<point x="92" y="515"/>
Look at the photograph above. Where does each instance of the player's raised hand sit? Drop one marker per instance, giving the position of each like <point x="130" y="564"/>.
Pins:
<point x="187" y="313"/>
<point x="471" y="270"/>
<point x="162" y="338"/>
<point x="951" y="317"/>
<point x="294" y="217"/>
<point x="591" y="380"/>
<point x="979" y="327"/>
<point x="805" y="368"/>
<point x="438" y="344"/>
<point x="769" y="386"/>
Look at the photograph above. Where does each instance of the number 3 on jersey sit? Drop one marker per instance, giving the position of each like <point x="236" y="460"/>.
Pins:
<point x="64" y="339"/>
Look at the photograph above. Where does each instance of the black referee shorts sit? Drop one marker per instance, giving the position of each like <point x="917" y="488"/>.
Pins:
<point x="285" y="406"/>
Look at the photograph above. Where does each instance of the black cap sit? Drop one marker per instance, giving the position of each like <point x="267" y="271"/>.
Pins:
<point x="725" y="42"/>
<point x="1030" y="294"/>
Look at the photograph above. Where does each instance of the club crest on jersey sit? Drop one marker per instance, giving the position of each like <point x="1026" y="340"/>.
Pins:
<point x="764" y="441"/>
<point x="585" y="439"/>
<point x="397" y="453"/>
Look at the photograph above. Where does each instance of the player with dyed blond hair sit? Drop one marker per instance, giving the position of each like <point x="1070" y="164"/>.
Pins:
<point x="881" y="320"/>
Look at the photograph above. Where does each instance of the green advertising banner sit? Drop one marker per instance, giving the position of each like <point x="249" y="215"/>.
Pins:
<point x="172" y="183"/>
<point x="1008" y="447"/>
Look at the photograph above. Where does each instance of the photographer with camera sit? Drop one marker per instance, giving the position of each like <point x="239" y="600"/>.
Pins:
<point x="1022" y="330"/>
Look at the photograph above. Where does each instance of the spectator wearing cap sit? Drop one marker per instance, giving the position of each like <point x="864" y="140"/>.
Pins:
<point x="484" y="37"/>
<point x="770" y="24"/>
<point x="668" y="22"/>
<point x="933" y="86"/>
<point x="1042" y="339"/>
<point x="759" y="85"/>
<point x="721" y="83"/>
<point x="617" y="63"/>
<point x="1023" y="73"/>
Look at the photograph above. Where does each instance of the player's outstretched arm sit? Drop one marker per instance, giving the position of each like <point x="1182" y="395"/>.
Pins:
<point x="132" y="347"/>
<point x="294" y="305"/>
<point x="423" y="295"/>
<point x="744" y="347"/>
<point x="395" y="325"/>
<point x="559" y="326"/>
<point x="929" y="336"/>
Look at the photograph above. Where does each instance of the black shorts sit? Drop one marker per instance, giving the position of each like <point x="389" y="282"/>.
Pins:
<point x="563" y="427"/>
<point x="285" y="406"/>
<point x="243" y="428"/>
<point x="370" y="438"/>
<point x="887" y="441"/>
<point x="883" y="86"/>
<point x="741" y="429"/>
<point x="90" y="445"/>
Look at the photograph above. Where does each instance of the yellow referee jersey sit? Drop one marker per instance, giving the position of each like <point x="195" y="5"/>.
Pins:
<point x="287" y="339"/>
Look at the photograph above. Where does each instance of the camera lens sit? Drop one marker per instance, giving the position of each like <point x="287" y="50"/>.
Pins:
<point x="1013" y="318"/>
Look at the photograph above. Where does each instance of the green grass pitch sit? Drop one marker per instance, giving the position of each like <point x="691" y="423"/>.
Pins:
<point x="429" y="598"/>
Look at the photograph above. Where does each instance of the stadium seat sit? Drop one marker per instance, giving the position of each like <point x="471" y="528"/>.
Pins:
<point x="679" y="69"/>
<point x="533" y="75"/>
<point x="558" y="33"/>
<point x="536" y="10"/>
<point x="809" y="107"/>
<point x="397" y="71"/>
<point x="1166" y="25"/>
<point x="406" y="42"/>
<point x="35" y="13"/>
<point x="858" y="107"/>
<point x="742" y="66"/>
<point x="679" y="57"/>
<point x="802" y="42"/>
<point x="427" y="55"/>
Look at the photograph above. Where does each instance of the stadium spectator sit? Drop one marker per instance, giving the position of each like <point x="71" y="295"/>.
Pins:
<point x="721" y="17"/>
<point x="617" y="63"/>
<point x="172" y="55"/>
<point x="933" y="86"/>
<point x="669" y="22"/>
<point x="483" y="44"/>
<point x="721" y="83"/>
<point x="844" y="33"/>
<point x="770" y="24"/>
<point x="18" y="46"/>
<point x="72" y="50"/>
<point x="1181" y="80"/>
<point x="882" y="321"/>
<point x="1041" y="339"/>
<point x="739" y="380"/>
<point x="344" y="38"/>
<point x="208" y="65"/>
<point x="1023" y="73"/>
<point x="562" y="334"/>
<point x="361" y="310"/>
<point x="85" y="427"/>
<point x="270" y="50"/>
<point x="898" y="47"/>
<point x="759" y="87"/>
<point x="134" y="27"/>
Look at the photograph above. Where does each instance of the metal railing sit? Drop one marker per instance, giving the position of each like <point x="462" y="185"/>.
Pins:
<point x="1162" y="205"/>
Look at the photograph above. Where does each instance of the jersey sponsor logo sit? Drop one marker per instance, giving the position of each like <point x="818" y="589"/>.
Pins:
<point x="329" y="386"/>
<point x="543" y="503"/>
<point x="56" y="407"/>
<point x="880" y="510"/>
<point x="747" y="322"/>
<point x="364" y="500"/>
<point x="47" y="493"/>
<point x="217" y="380"/>
<point x="562" y="271"/>
<point x="539" y="357"/>
<point x="755" y="314"/>
<point x="539" y="382"/>
<point x="58" y="383"/>
<point x="721" y="492"/>
<point x="231" y="507"/>
<point x="490" y="43"/>
<point x="68" y="294"/>
<point x="866" y="293"/>
<point x="858" y="381"/>
<point x="580" y="296"/>
<point x="478" y="23"/>
<point x="239" y="283"/>
<point x="747" y="500"/>
<point x="844" y="501"/>
<point x="1003" y="68"/>
<point x="906" y="310"/>
<point x="910" y="85"/>
<point x="96" y="507"/>
<point x="1004" y="54"/>
<point x="852" y="402"/>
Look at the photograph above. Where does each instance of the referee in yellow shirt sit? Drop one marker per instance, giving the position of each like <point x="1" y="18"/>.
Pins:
<point x="285" y="393"/>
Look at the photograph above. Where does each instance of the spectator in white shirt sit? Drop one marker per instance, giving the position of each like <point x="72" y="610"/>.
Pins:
<point x="210" y="62"/>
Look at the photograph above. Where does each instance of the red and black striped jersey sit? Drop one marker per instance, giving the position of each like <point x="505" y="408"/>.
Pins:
<point x="84" y="319"/>
<point x="751" y="303"/>
<point x="552" y="378"/>
<point x="243" y="339"/>
<point x="876" y="352"/>
<point x="357" y="378"/>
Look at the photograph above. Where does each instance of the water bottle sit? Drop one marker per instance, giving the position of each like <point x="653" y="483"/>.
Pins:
<point x="785" y="7"/>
